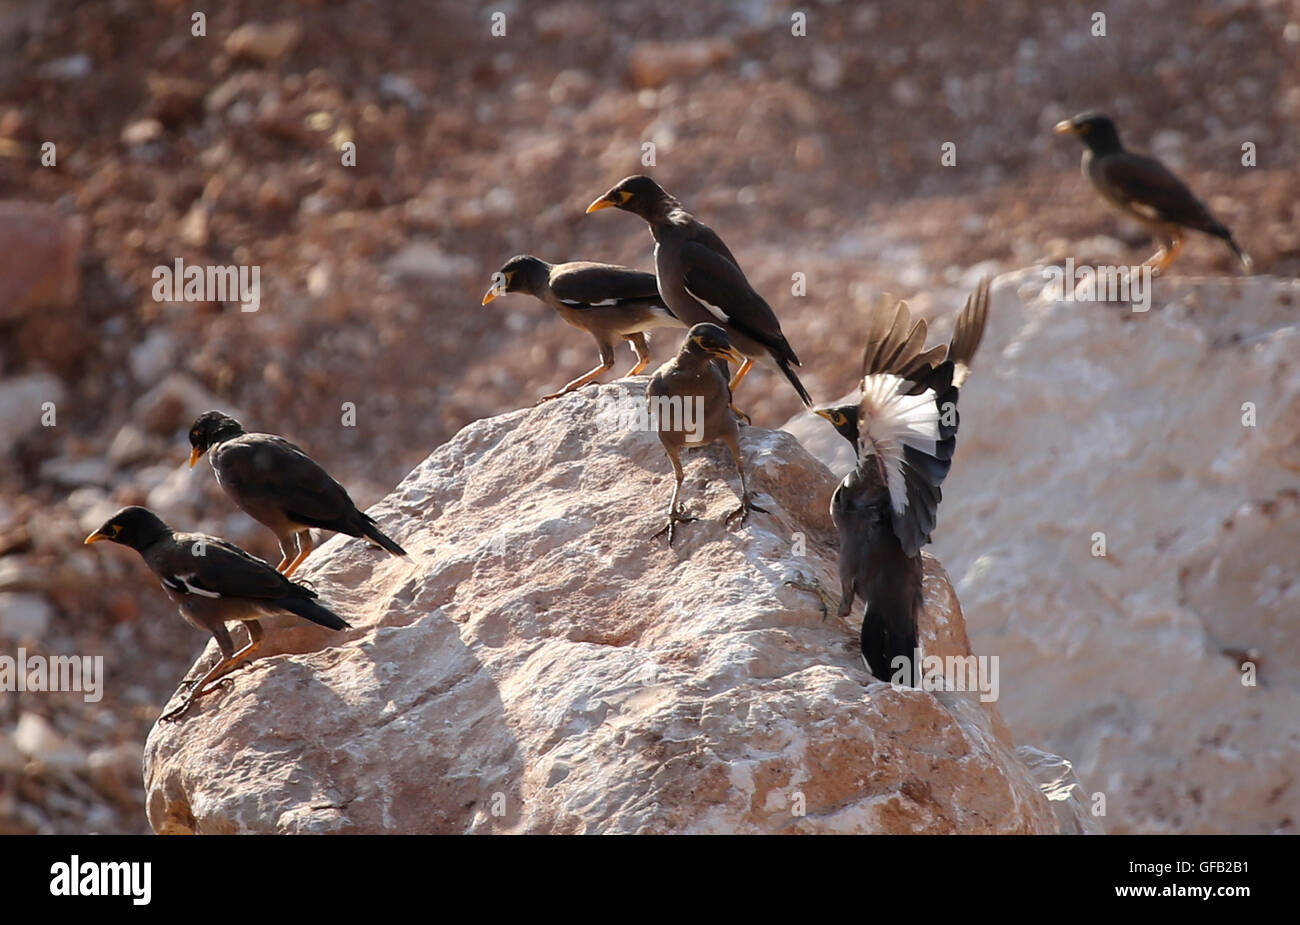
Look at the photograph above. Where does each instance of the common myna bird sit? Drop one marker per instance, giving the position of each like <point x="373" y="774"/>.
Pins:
<point x="606" y="301"/>
<point x="1144" y="189"/>
<point x="279" y="485"/>
<point x="690" y="404"/>
<point x="904" y="428"/>
<point x="702" y="282"/>
<point x="213" y="582"/>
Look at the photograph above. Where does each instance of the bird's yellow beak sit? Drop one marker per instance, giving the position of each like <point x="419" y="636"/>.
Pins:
<point x="609" y="200"/>
<point x="95" y="538"/>
<point x="195" y="455"/>
<point x="489" y="296"/>
<point x="1066" y="128"/>
<point x="823" y="413"/>
<point x="735" y="356"/>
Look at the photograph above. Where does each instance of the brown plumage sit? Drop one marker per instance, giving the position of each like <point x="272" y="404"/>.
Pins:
<point x="1144" y="189"/>
<point x="607" y="301"/>
<point x="213" y="582"/>
<point x="690" y="404"/>
<point x="277" y="484"/>
<point x="701" y="281"/>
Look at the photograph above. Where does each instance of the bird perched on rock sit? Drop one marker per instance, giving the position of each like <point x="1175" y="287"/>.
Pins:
<point x="604" y="300"/>
<point x="904" y="428"/>
<point x="1144" y="189"/>
<point x="689" y="402"/>
<point x="280" y="486"/>
<point x="702" y="282"/>
<point x="213" y="582"/>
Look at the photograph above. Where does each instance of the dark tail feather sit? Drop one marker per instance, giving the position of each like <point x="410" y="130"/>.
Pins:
<point x="889" y="631"/>
<point x="308" y="609"/>
<point x="1244" y="257"/>
<point x="794" y="381"/>
<point x="371" y="532"/>
<point x="1221" y="231"/>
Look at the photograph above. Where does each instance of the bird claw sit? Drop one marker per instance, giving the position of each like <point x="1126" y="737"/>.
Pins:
<point x="172" y="716"/>
<point x="743" y="511"/>
<point x="175" y="714"/>
<point x="673" y="521"/>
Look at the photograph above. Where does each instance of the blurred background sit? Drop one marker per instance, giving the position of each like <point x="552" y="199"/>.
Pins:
<point x="817" y="154"/>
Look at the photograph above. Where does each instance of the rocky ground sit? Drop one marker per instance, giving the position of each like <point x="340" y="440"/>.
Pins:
<point x="817" y="154"/>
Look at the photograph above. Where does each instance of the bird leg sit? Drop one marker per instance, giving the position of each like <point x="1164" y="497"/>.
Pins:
<point x="1170" y="254"/>
<point x="305" y="546"/>
<point x="288" y="550"/>
<point x="746" y="500"/>
<point x="606" y="364"/>
<point x="741" y="373"/>
<point x="675" y="513"/>
<point x="848" y="589"/>
<point x="218" y="671"/>
<point x="639" y="347"/>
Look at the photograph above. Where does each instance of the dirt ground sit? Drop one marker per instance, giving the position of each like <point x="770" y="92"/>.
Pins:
<point x="817" y="154"/>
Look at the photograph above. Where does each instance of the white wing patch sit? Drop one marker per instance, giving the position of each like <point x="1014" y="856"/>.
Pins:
<point x="888" y="421"/>
<point x="187" y="588"/>
<point x="603" y="303"/>
<point x="713" y="309"/>
<point x="1145" y="210"/>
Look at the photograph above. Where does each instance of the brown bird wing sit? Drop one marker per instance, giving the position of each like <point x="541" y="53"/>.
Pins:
<point x="895" y="343"/>
<point x="210" y="567"/>
<point x="718" y="284"/>
<point x="602" y="284"/>
<point x="968" y="331"/>
<point x="1151" y="191"/>
<point x="270" y="470"/>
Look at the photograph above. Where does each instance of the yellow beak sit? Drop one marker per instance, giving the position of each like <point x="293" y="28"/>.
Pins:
<point x="823" y="413"/>
<point x="601" y="203"/>
<point x="95" y="538"/>
<point x="195" y="455"/>
<point x="489" y="295"/>
<point x="1065" y="128"/>
<point x="734" y="356"/>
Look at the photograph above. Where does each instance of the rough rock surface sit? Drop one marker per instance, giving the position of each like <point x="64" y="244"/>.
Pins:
<point x="1082" y="418"/>
<point x="540" y="664"/>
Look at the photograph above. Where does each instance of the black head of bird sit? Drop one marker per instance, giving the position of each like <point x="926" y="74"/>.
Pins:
<point x="844" y="418"/>
<point x="1095" y="130"/>
<point x="523" y="273"/>
<point x="711" y="341"/>
<point x="133" y="526"/>
<point x="639" y="195"/>
<point x="209" y="429"/>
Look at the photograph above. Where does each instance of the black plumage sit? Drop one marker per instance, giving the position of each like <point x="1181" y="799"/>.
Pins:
<point x="903" y="428"/>
<point x="1144" y="189"/>
<point x="607" y="301"/>
<point x="213" y="582"/>
<point x="701" y="281"/>
<point x="280" y="486"/>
